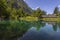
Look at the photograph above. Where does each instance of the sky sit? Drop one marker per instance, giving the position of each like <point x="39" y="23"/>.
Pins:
<point x="46" y="5"/>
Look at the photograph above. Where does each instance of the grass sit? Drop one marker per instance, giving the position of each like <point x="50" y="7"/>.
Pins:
<point x="51" y="19"/>
<point x="29" y="18"/>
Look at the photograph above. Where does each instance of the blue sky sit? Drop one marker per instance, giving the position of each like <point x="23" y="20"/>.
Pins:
<point x="46" y="5"/>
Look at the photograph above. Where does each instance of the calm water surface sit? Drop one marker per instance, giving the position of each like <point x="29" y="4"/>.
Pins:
<point x="42" y="31"/>
<point x="36" y="30"/>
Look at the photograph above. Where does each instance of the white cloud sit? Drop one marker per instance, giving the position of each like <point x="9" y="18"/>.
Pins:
<point x="59" y="6"/>
<point x="37" y="7"/>
<point x="24" y="0"/>
<point x="33" y="8"/>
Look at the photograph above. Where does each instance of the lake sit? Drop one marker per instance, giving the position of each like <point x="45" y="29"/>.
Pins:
<point x="34" y="30"/>
<point x="46" y="31"/>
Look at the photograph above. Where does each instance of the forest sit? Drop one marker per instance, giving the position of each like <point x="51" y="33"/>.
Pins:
<point x="13" y="9"/>
<point x="18" y="9"/>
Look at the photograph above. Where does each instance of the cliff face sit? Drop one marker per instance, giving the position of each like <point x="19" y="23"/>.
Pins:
<point x="19" y="4"/>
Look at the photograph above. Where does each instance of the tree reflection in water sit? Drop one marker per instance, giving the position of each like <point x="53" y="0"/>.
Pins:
<point x="12" y="30"/>
<point x="50" y="31"/>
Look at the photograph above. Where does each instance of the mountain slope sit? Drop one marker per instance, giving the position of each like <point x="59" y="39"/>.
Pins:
<point x="19" y="4"/>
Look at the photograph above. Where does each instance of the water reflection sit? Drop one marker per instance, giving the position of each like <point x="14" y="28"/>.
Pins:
<point x="34" y="30"/>
<point x="13" y="30"/>
<point x="50" y="31"/>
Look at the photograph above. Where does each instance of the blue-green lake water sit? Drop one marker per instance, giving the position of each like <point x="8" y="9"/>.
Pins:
<point x="43" y="31"/>
<point x="34" y="30"/>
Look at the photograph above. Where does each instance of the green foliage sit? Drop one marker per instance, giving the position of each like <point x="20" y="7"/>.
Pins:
<point x="13" y="13"/>
<point x="55" y="27"/>
<point x="12" y="29"/>
<point x="3" y="11"/>
<point x="56" y="10"/>
<point x="38" y="13"/>
<point x="43" y="13"/>
<point x="12" y="9"/>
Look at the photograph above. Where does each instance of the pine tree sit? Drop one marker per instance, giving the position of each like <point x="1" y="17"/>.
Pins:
<point x="56" y="11"/>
